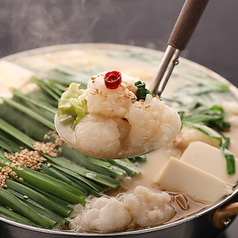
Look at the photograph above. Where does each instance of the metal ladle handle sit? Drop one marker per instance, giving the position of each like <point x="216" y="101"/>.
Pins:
<point x="184" y="27"/>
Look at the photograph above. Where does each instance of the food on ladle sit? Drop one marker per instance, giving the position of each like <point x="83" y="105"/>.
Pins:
<point x="115" y="117"/>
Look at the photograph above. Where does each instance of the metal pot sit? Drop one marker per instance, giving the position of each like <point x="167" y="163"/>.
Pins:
<point x="210" y="222"/>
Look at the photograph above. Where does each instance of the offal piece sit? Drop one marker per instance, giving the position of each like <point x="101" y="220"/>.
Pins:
<point x="142" y="208"/>
<point x="115" y="117"/>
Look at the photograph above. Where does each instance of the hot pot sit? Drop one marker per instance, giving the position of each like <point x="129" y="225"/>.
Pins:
<point x="209" y="222"/>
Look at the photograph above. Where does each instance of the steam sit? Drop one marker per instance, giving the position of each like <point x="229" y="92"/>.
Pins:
<point x="40" y="24"/>
<point x="32" y="24"/>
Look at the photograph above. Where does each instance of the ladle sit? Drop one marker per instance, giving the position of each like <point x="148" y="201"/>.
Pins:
<point x="179" y="38"/>
<point x="184" y="27"/>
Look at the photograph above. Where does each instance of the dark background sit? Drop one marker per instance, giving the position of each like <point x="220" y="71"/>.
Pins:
<point x="27" y="24"/>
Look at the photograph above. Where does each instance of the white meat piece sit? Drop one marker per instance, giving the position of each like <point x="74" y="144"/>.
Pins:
<point x="97" y="134"/>
<point x="102" y="215"/>
<point x="142" y="208"/>
<point x="110" y="102"/>
<point x="153" y="125"/>
<point x="149" y="208"/>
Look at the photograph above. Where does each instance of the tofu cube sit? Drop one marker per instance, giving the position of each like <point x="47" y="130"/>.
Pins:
<point x="13" y="75"/>
<point x="209" y="159"/>
<point x="197" y="184"/>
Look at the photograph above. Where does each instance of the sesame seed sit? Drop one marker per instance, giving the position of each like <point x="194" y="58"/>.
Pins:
<point x="46" y="137"/>
<point x="49" y="148"/>
<point x="5" y="173"/>
<point x="25" y="158"/>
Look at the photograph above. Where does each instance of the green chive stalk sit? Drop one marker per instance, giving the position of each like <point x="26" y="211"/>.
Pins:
<point x="40" y="198"/>
<point x="18" y="206"/>
<point x="30" y="113"/>
<point x="22" y="96"/>
<point x="58" y="175"/>
<point x="45" y="87"/>
<point x="39" y="208"/>
<point x="15" y="216"/>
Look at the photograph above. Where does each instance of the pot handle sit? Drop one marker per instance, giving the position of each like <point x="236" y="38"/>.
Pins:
<point x="222" y="215"/>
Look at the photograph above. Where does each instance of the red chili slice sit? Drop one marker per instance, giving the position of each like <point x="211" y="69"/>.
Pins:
<point x="112" y="79"/>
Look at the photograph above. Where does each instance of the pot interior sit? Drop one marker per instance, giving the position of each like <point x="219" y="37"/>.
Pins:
<point x="142" y="63"/>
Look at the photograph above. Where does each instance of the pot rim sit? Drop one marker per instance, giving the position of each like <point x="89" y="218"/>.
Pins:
<point x="66" y="47"/>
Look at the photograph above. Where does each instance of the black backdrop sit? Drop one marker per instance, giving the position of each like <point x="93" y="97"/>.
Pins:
<point x="27" y="24"/>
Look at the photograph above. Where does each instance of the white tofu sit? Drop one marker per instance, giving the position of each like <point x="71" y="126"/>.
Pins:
<point x="197" y="184"/>
<point x="12" y="75"/>
<point x="209" y="159"/>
